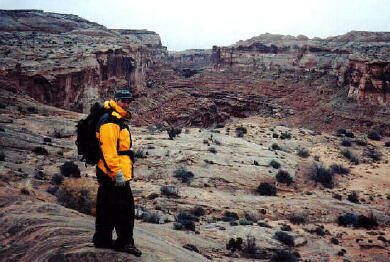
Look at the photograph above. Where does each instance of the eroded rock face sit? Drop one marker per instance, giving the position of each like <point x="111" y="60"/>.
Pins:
<point x="69" y="62"/>
<point x="360" y="56"/>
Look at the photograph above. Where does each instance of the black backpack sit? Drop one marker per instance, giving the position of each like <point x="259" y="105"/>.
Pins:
<point x="87" y="143"/>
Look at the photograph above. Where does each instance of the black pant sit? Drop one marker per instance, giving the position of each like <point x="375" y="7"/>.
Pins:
<point x="114" y="209"/>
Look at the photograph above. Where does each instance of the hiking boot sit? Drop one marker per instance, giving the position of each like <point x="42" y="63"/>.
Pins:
<point x="129" y="249"/>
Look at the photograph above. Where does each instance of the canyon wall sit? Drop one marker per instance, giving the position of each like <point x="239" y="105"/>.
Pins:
<point x="359" y="60"/>
<point x="69" y="62"/>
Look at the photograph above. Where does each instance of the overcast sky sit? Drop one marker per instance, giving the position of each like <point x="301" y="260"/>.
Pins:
<point x="204" y="23"/>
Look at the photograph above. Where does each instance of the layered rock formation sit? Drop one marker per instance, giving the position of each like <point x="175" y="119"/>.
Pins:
<point x="358" y="59"/>
<point x="69" y="62"/>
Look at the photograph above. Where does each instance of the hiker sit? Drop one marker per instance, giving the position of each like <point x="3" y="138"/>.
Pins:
<point x="115" y="202"/>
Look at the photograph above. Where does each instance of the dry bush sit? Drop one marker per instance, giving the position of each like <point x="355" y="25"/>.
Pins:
<point x="78" y="194"/>
<point x="25" y="187"/>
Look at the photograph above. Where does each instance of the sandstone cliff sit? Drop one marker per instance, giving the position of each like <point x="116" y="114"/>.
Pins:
<point x="69" y="62"/>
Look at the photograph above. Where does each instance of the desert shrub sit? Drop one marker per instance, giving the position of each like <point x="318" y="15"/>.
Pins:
<point x="70" y="169"/>
<point x="284" y="177"/>
<point x="337" y="196"/>
<point x="285" y="256"/>
<point x="229" y="216"/>
<point x="263" y="224"/>
<point x="275" y="146"/>
<point x="275" y="164"/>
<point x="2" y="156"/>
<point x="217" y="142"/>
<point x="275" y="135"/>
<point x="184" y="175"/>
<point x="285" y="228"/>
<point x="47" y="140"/>
<point x="150" y="217"/>
<point x="173" y="132"/>
<point x="303" y="152"/>
<point x="220" y="125"/>
<point x="321" y="175"/>
<point x="245" y="222"/>
<point x="241" y="131"/>
<point x="374" y="135"/>
<point x="341" y="132"/>
<point x="266" y="189"/>
<point x="250" y="216"/>
<point x="349" y="134"/>
<point x="151" y="129"/>
<point x="373" y="153"/>
<point x="198" y="211"/>
<point x="57" y="179"/>
<point x="361" y="142"/>
<point x="354" y="197"/>
<point x="316" y="158"/>
<point x="346" y="143"/>
<point x="32" y="109"/>
<point x="78" y="194"/>
<point x="52" y="190"/>
<point x="250" y="249"/>
<point x="350" y="219"/>
<point x="169" y="191"/>
<point x="339" y="169"/>
<point x="285" y="135"/>
<point x="297" y="218"/>
<point x="212" y="150"/>
<point x="185" y="221"/>
<point x="40" y="151"/>
<point x="284" y="237"/>
<point x="2" y="106"/>
<point x="139" y="153"/>
<point x="234" y="244"/>
<point x="387" y="144"/>
<point x="348" y="154"/>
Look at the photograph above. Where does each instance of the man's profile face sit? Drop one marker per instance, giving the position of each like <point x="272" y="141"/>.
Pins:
<point x="124" y="103"/>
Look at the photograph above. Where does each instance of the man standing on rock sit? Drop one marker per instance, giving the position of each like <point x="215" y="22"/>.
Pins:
<point x="115" y="202"/>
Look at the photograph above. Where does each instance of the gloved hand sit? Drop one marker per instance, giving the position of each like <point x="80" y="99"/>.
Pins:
<point x="119" y="179"/>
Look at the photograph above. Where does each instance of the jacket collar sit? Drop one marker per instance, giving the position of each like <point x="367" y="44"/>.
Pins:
<point x="113" y="105"/>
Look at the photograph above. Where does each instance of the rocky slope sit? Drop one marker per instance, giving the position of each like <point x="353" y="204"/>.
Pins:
<point x="226" y="170"/>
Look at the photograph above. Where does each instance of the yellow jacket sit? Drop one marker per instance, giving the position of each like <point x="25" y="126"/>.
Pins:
<point x="114" y="136"/>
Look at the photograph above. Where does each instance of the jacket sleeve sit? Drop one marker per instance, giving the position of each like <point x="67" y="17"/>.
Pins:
<point x="109" y="135"/>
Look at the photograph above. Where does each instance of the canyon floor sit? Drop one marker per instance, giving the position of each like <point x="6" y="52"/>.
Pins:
<point x="227" y="171"/>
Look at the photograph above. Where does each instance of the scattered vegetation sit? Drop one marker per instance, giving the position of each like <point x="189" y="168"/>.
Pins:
<point x="229" y="216"/>
<point x="349" y="134"/>
<point x="170" y="191"/>
<point x="70" y="169"/>
<point x="245" y="222"/>
<point x="2" y="156"/>
<point x="184" y="175"/>
<point x="303" y="152"/>
<point x="374" y="135"/>
<point x="346" y="143"/>
<point x="285" y="135"/>
<point x="358" y="221"/>
<point x="185" y="221"/>
<point x="40" y="151"/>
<point x="372" y="153"/>
<point x="52" y="190"/>
<point x="361" y="142"/>
<point x="341" y="132"/>
<point x="198" y="211"/>
<point x="348" y="154"/>
<point x="78" y="194"/>
<point x="139" y="153"/>
<point x="212" y="150"/>
<point x="275" y="146"/>
<point x="284" y="237"/>
<point x="354" y="197"/>
<point x="339" y="169"/>
<point x="284" y="177"/>
<point x="173" y="132"/>
<point x="322" y="175"/>
<point x="285" y="256"/>
<point x="2" y="106"/>
<point x="266" y="189"/>
<point x="297" y="218"/>
<point x="47" y="140"/>
<point x="275" y="164"/>
<point x="241" y="131"/>
<point x="234" y="244"/>
<point x="387" y="144"/>
<point x="57" y="179"/>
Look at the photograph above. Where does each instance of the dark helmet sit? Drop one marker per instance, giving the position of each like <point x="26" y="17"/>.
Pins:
<point x="123" y="94"/>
